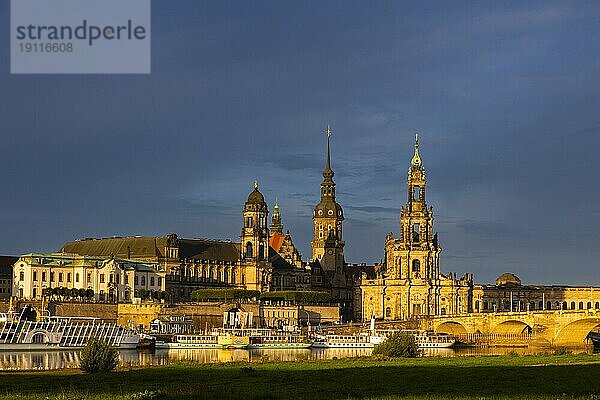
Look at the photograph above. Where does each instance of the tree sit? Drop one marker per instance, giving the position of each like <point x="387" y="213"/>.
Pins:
<point x="142" y="294"/>
<point x="398" y="344"/>
<point x="73" y="293"/>
<point x="89" y="293"/>
<point x="81" y="293"/>
<point x="98" y="356"/>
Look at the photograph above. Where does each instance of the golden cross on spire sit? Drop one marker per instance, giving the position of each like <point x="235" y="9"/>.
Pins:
<point x="328" y="131"/>
<point x="256" y="184"/>
<point x="416" y="160"/>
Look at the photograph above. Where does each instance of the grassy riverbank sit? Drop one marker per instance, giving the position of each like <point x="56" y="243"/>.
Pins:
<point x="522" y="377"/>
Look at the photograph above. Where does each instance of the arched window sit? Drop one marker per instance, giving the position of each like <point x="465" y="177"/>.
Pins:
<point x="597" y="305"/>
<point x="443" y="311"/>
<point x="581" y="305"/>
<point x="261" y="251"/>
<point x="248" y="249"/>
<point x="477" y="305"/>
<point x="532" y="305"/>
<point x="541" y="305"/>
<point x="416" y="266"/>
<point x="219" y="276"/>
<point x="548" y="305"/>
<point x="564" y="305"/>
<point x="233" y="277"/>
<point x="572" y="305"/>
<point x="388" y="312"/>
<point x="416" y="193"/>
<point x="589" y="305"/>
<point x="415" y="233"/>
<point x="249" y="222"/>
<point x="21" y="276"/>
<point x="211" y="275"/>
<point x="226" y="276"/>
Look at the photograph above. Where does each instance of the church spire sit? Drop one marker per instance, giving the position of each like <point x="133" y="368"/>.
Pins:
<point x="416" y="160"/>
<point x="328" y="186"/>
<point x="276" y="225"/>
<point x="328" y="172"/>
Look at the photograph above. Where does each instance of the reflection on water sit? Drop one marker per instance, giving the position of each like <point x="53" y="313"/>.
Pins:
<point x="40" y="360"/>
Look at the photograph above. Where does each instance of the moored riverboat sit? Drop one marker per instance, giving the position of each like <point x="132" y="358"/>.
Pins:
<point x="424" y="339"/>
<point x="343" y="341"/>
<point x="279" y="341"/>
<point x="59" y="333"/>
<point x="190" y="342"/>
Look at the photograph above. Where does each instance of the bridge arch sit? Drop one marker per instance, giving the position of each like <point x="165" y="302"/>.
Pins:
<point x="574" y="333"/>
<point x="512" y="327"/>
<point x="451" y="327"/>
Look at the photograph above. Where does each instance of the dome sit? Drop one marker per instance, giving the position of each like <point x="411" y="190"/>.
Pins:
<point x="508" y="279"/>
<point x="256" y="196"/>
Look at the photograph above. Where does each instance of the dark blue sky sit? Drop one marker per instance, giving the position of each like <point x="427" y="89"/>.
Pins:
<point x="506" y="96"/>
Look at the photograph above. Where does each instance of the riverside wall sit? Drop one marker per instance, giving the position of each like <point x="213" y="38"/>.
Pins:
<point x="205" y="315"/>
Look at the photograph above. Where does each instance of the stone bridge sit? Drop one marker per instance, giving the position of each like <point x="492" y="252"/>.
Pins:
<point x="556" y="328"/>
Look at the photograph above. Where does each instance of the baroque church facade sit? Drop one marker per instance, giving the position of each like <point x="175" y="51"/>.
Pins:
<point x="409" y="282"/>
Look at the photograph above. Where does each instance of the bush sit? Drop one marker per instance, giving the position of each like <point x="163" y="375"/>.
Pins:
<point x="398" y="344"/>
<point x="224" y="294"/>
<point x="302" y="297"/>
<point x="98" y="356"/>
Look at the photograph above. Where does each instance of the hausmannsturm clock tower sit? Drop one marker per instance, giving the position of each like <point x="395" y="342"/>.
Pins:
<point x="327" y="244"/>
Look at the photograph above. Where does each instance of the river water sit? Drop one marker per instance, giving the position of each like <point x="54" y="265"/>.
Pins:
<point x="47" y="360"/>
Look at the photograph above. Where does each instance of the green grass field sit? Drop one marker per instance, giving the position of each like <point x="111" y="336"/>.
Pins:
<point x="522" y="377"/>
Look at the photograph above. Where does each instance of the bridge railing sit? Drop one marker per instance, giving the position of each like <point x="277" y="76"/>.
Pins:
<point x="494" y="338"/>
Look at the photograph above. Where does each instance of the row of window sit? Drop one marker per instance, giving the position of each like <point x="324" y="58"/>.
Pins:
<point x="261" y="222"/>
<point x="113" y="278"/>
<point x="262" y="251"/>
<point x="279" y="314"/>
<point x="221" y="276"/>
<point x="522" y="306"/>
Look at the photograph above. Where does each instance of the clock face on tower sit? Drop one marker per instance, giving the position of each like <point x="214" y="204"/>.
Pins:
<point x="330" y="252"/>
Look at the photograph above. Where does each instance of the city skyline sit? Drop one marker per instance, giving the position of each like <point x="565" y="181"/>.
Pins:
<point x="504" y="100"/>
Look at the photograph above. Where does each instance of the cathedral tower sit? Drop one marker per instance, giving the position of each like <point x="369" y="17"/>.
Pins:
<point x="420" y="250"/>
<point x="255" y="242"/>
<point x="276" y="225"/>
<point x="327" y="244"/>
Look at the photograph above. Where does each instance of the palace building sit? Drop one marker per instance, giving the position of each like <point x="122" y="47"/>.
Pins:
<point x="110" y="279"/>
<point x="409" y="282"/>
<point x="262" y="260"/>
